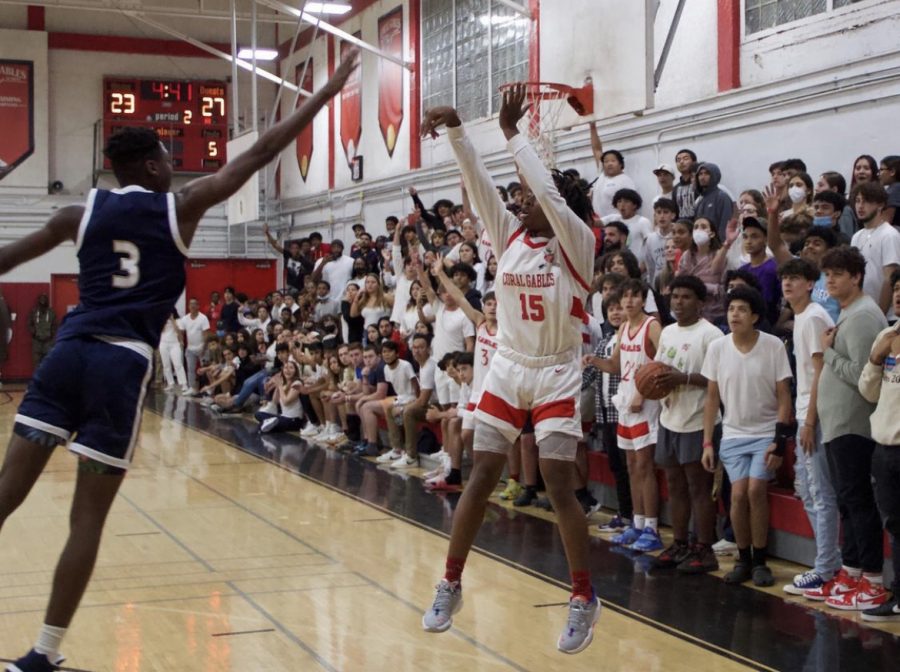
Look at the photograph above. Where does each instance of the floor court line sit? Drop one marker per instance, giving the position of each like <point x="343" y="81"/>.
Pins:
<point x="712" y="648"/>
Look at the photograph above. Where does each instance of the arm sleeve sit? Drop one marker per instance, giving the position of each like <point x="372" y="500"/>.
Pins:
<point x="859" y="342"/>
<point x="433" y="220"/>
<point x="870" y="383"/>
<point x="499" y="222"/>
<point x="575" y="237"/>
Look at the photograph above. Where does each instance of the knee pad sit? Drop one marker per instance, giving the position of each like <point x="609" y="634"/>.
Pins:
<point x="490" y="439"/>
<point x="558" y="446"/>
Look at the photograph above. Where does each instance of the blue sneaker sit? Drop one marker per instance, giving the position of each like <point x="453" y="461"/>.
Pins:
<point x="627" y="538"/>
<point x="34" y="662"/>
<point x="806" y="581"/>
<point x="614" y="526"/>
<point x="648" y="542"/>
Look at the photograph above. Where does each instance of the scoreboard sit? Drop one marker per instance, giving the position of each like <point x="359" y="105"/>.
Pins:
<point x="189" y="116"/>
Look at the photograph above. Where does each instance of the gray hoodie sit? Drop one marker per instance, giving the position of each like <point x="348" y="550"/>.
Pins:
<point x="714" y="204"/>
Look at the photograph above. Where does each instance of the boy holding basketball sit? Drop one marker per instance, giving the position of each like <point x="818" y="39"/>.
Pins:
<point x="638" y="342"/>
<point x="748" y="365"/>
<point x="679" y="447"/>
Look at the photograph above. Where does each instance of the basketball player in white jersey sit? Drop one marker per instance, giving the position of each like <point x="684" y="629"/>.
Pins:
<point x="544" y="264"/>
<point x="638" y="417"/>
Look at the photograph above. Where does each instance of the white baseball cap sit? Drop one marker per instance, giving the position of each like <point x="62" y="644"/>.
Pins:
<point x="664" y="167"/>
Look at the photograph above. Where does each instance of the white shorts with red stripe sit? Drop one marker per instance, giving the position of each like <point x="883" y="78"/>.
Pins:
<point x="636" y="431"/>
<point x="551" y="393"/>
<point x="468" y="416"/>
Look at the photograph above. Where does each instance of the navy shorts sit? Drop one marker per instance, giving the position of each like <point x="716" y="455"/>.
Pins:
<point x="89" y="392"/>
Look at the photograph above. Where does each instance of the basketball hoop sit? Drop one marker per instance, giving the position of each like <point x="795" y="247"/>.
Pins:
<point x="547" y="101"/>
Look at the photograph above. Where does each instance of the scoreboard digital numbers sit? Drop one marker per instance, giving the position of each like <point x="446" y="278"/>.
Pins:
<point x="189" y="116"/>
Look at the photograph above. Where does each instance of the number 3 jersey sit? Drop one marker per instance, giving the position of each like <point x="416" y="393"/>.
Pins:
<point x="131" y="261"/>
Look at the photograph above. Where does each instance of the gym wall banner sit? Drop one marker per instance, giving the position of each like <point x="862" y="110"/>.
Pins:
<point x="390" y="78"/>
<point x="351" y="107"/>
<point x="16" y="114"/>
<point x="305" y="139"/>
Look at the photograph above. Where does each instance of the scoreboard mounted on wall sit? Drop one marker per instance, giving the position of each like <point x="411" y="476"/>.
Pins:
<point x="189" y="116"/>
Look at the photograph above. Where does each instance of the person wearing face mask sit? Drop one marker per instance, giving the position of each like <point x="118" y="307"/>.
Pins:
<point x="879" y="243"/>
<point x="828" y="207"/>
<point x="706" y="259"/>
<point x="800" y="194"/>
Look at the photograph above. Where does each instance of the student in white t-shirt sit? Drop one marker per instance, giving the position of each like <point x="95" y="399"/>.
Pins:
<point x="401" y="377"/>
<point x="749" y="373"/>
<point x="812" y="475"/>
<point x="654" y="261"/>
<point x="679" y="445"/>
<point x="879" y="243"/>
<point x="612" y="176"/>
<point x="195" y="326"/>
<point x="628" y="202"/>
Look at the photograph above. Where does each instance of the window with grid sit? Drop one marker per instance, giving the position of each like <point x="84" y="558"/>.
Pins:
<point x="764" y="14"/>
<point x="469" y="48"/>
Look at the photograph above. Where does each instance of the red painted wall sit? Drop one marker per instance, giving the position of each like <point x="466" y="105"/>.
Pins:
<point x="253" y="277"/>
<point x="21" y="297"/>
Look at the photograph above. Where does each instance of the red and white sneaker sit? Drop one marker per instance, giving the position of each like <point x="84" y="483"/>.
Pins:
<point x="841" y="584"/>
<point x="866" y="596"/>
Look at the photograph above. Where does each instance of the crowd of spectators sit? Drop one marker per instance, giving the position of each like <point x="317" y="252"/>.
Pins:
<point x="747" y="295"/>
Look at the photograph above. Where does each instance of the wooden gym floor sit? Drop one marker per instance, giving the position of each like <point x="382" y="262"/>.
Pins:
<point x="227" y="551"/>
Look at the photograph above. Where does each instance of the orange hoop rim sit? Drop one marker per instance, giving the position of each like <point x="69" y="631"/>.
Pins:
<point x="581" y="99"/>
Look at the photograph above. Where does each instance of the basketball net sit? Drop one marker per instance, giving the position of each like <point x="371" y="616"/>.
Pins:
<point x="546" y="102"/>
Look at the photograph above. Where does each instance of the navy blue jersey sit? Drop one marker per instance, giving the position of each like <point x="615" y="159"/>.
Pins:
<point x="131" y="260"/>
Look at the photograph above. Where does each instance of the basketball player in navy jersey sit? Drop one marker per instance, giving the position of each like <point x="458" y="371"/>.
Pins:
<point x="88" y="392"/>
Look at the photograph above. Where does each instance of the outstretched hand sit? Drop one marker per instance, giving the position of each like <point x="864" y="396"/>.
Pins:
<point x="437" y="117"/>
<point x="342" y="74"/>
<point x="437" y="266"/>
<point x="512" y="109"/>
<point x="771" y="197"/>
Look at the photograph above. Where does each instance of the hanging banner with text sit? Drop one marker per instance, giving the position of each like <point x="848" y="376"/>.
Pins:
<point x="351" y="107"/>
<point x="16" y="114"/>
<point x="305" y="139"/>
<point x="390" y="78"/>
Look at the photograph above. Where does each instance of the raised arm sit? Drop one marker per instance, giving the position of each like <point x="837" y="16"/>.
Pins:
<point x="773" y="227"/>
<point x="433" y="220"/>
<point x="272" y="240"/>
<point x="575" y="236"/>
<point x="475" y="316"/>
<point x="199" y="195"/>
<point x="499" y="222"/>
<point x="596" y="145"/>
<point x="61" y="227"/>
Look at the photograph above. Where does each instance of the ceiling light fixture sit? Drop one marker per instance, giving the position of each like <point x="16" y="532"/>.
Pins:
<point x="328" y="7"/>
<point x="261" y="54"/>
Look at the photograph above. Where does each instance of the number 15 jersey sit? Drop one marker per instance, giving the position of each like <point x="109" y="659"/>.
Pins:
<point x="131" y="262"/>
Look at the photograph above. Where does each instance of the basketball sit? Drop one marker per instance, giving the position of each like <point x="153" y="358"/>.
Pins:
<point x="646" y="380"/>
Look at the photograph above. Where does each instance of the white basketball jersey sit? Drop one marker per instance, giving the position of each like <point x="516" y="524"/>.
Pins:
<point x="485" y="347"/>
<point x="635" y="350"/>
<point x="539" y="301"/>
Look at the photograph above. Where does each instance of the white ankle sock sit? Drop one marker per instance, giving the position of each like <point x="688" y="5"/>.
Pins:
<point x="651" y="523"/>
<point x="852" y="571"/>
<point x="638" y="522"/>
<point x="49" y="640"/>
<point x="875" y="579"/>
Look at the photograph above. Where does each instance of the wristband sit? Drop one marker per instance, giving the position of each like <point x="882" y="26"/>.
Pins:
<point x="707" y="444"/>
<point x="783" y="432"/>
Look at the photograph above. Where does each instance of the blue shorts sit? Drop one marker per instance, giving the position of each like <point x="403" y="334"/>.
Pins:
<point x="89" y="393"/>
<point x="745" y="458"/>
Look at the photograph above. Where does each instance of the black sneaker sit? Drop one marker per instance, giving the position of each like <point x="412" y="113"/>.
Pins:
<point x="35" y="662"/>
<point x="701" y="560"/>
<point x="527" y="498"/>
<point x="762" y="576"/>
<point x="589" y="504"/>
<point x="672" y="556"/>
<point x="883" y="613"/>
<point x="741" y="573"/>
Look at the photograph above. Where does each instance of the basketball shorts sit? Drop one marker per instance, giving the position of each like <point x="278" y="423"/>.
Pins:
<point x="637" y="431"/>
<point x="675" y="449"/>
<point x="745" y="458"/>
<point x="89" y="393"/>
<point x="468" y="416"/>
<point x="552" y="394"/>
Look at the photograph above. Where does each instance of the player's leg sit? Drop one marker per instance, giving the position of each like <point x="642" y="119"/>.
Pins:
<point x="491" y="446"/>
<point x="557" y="460"/>
<point x="23" y="463"/>
<point x="702" y="558"/>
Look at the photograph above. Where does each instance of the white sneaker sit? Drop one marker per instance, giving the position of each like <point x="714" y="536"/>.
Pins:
<point x="724" y="547"/>
<point x="268" y="424"/>
<point x="405" y="462"/>
<point x="269" y="407"/>
<point x="169" y="387"/>
<point x="310" y="431"/>
<point x="338" y="439"/>
<point x="388" y="457"/>
<point x="187" y="390"/>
